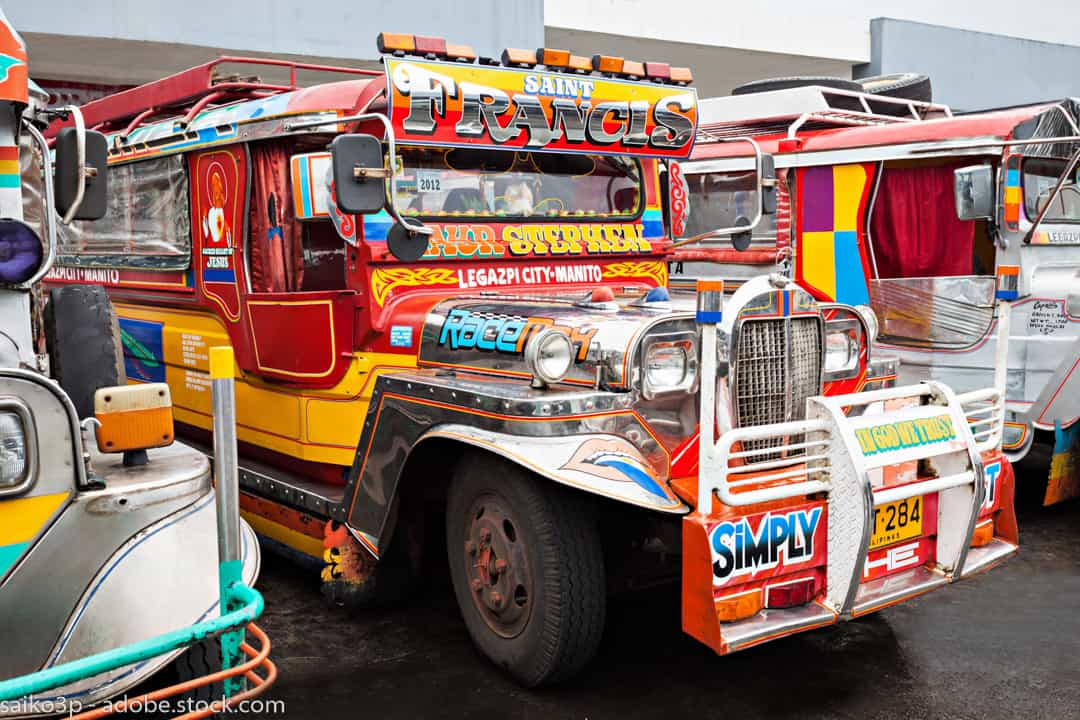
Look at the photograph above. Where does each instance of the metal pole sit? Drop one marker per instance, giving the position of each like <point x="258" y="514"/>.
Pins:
<point x="225" y="463"/>
<point x="230" y="562"/>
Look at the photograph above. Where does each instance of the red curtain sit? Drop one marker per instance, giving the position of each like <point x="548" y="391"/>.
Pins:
<point x="277" y="263"/>
<point x="914" y="226"/>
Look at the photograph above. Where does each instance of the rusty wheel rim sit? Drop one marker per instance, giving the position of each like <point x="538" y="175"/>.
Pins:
<point x="496" y="566"/>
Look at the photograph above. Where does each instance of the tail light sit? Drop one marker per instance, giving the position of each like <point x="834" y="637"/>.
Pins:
<point x="789" y="594"/>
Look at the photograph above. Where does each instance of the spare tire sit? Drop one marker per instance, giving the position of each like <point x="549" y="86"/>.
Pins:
<point x="906" y="86"/>
<point x="83" y="341"/>
<point x="760" y="86"/>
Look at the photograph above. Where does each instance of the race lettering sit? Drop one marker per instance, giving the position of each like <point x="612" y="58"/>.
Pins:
<point x="465" y="330"/>
<point x="780" y="539"/>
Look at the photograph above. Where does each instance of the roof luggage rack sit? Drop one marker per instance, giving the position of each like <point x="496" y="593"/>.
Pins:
<point x="806" y="108"/>
<point x="192" y="90"/>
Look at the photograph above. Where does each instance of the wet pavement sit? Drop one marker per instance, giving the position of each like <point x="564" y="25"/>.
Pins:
<point x="1004" y="644"/>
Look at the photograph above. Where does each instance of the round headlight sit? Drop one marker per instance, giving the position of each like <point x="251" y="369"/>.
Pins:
<point x="21" y="252"/>
<point x="869" y="318"/>
<point x="549" y="355"/>
<point x="12" y="450"/>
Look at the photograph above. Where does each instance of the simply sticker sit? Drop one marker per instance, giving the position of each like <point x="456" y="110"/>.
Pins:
<point x="401" y="336"/>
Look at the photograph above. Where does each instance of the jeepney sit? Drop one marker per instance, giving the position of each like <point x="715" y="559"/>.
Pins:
<point x="447" y="287"/>
<point x="939" y="222"/>
<point x="108" y="565"/>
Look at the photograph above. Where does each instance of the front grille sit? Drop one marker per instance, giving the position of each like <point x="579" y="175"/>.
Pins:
<point x="774" y="374"/>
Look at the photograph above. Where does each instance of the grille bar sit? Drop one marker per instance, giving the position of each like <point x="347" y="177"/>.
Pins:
<point x="777" y="367"/>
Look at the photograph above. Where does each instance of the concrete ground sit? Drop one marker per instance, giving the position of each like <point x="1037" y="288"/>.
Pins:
<point x="1004" y="644"/>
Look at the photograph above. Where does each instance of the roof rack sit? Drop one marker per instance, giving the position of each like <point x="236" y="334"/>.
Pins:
<point x="193" y="90"/>
<point x="811" y="107"/>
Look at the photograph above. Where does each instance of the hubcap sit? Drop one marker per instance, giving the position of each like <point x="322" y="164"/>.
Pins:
<point x="497" y="566"/>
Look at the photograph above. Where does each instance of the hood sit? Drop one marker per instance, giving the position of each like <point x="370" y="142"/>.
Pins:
<point x="490" y="334"/>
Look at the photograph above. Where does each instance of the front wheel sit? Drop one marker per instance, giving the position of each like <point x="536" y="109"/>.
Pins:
<point x="527" y="570"/>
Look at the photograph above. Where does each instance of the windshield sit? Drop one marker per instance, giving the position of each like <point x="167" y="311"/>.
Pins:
<point x="724" y="200"/>
<point x="437" y="183"/>
<point x="1040" y="177"/>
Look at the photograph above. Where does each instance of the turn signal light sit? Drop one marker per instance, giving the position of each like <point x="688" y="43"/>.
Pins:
<point x="681" y="75"/>
<point x="395" y="43"/>
<point x="633" y="69"/>
<point x="520" y="58"/>
<point x="657" y="71"/>
<point x="790" y="594"/>
<point x="984" y="533"/>
<point x="133" y="417"/>
<point x="607" y="64"/>
<point x="738" y="607"/>
<point x="464" y="53"/>
<point x="580" y="63"/>
<point x="553" y="58"/>
<point x="430" y="46"/>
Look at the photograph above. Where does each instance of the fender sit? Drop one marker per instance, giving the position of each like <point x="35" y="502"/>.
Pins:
<point x="587" y="439"/>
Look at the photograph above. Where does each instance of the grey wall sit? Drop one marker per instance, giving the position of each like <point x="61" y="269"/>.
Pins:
<point x="972" y="70"/>
<point x="321" y="28"/>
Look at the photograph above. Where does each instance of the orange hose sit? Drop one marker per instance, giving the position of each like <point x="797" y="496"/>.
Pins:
<point x="258" y="659"/>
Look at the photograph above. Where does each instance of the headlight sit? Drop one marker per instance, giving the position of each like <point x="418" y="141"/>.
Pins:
<point x="842" y="341"/>
<point x="549" y="355"/>
<point x="670" y="365"/>
<point x="12" y="451"/>
<point x="869" y="318"/>
<point x="20" y="252"/>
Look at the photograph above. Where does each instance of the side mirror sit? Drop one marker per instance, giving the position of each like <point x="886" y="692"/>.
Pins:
<point x="768" y="184"/>
<point x="360" y="173"/>
<point x="92" y="175"/>
<point x="973" y="191"/>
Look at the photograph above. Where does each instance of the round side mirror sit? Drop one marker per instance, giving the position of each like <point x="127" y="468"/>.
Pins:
<point x="404" y="244"/>
<point x="741" y="240"/>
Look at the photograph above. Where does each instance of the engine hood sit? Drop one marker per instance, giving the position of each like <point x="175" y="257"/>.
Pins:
<point x="489" y="334"/>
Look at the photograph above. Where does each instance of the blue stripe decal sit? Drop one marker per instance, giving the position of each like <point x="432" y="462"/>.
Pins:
<point x="1007" y="294"/>
<point x="9" y="555"/>
<point x="639" y="476"/>
<point x="1012" y="178"/>
<point x="219" y="276"/>
<point x="652" y="224"/>
<point x="709" y="316"/>
<point x="376" y="226"/>
<point x="305" y="194"/>
<point x="787" y="302"/>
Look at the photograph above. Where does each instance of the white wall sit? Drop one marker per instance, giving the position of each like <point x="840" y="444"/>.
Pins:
<point x="323" y="28"/>
<point x="836" y="29"/>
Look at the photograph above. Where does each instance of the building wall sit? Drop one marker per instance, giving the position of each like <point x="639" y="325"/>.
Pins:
<point x="827" y="29"/>
<point x="971" y="70"/>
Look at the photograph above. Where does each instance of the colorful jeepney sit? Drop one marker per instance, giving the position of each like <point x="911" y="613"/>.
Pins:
<point x="929" y="218"/>
<point x="109" y="531"/>
<point x="447" y="289"/>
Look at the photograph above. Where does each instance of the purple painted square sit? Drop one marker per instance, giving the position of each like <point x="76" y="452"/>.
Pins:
<point x="817" y="208"/>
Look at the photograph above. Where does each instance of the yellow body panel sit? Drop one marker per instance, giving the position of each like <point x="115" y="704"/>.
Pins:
<point x="315" y="425"/>
<point x="21" y="519"/>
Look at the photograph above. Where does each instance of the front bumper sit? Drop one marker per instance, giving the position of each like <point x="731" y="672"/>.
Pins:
<point x="806" y="512"/>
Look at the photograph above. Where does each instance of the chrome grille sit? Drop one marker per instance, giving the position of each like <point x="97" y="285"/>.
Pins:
<point x="774" y="375"/>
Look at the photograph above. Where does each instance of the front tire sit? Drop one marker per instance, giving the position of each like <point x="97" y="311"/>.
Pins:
<point x="527" y="570"/>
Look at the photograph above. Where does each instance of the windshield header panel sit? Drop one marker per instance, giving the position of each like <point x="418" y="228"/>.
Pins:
<point x="458" y="105"/>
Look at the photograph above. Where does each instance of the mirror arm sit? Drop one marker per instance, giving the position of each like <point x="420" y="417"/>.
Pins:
<point x="80" y="156"/>
<point x="388" y="136"/>
<point x="724" y="232"/>
<point x="1053" y="196"/>
<point x="47" y="217"/>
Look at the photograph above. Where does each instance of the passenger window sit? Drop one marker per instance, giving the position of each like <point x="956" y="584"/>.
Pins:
<point x="324" y="257"/>
<point x="147" y="225"/>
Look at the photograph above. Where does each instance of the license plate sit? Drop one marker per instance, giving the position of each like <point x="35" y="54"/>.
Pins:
<point x="897" y="521"/>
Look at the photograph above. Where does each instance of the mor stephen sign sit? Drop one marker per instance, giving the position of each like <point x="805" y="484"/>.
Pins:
<point x="451" y="104"/>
